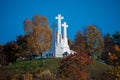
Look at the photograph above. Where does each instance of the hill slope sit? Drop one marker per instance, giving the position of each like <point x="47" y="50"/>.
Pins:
<point x="96" y="70"/>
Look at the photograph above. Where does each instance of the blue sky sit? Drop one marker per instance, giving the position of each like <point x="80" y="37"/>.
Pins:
<point x="78" y="14"/>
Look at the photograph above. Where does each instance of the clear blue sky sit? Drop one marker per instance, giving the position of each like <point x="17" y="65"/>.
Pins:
<point x="77" y="13"/>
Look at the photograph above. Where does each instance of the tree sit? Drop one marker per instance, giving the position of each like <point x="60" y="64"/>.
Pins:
<point x="73" y="67"/>
<point x="114" y="73"/>
<point x="114" y="60"/>
<point x="116" y="38"/>
<point x="108" y="47"/>
<point x="108" y="43"/>
<point x="94" y="41"/>
<point x="111" y="51"/>
<point x="112" y="55"/>
<point x="22" y="42"/>
<point x="79" y="43"/>
<point x="2" y="56"/>
<point x="39" y="34"/>
<point x="10" y="50"/>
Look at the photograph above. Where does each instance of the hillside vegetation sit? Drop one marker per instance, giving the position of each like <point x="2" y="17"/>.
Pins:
<point x="33" y="66"/>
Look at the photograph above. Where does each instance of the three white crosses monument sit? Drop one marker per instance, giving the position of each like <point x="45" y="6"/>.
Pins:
<point x="59" y="43"/>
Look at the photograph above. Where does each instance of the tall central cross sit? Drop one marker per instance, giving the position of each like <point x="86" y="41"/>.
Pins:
<point x="59" y="36"/>
<point x="65" y="31"/>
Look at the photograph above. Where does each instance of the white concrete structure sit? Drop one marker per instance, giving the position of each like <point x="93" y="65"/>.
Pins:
<point x="65" y="40"/>
<point x="59" y="35"/>
<point x="59" y="43"/>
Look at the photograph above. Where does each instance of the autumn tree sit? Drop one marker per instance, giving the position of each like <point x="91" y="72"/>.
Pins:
<point x="108" y="43"/>
<point x="111" y="49"/>
<point x="114" y="60"/>
<point x="79" y="43"/>
<point x="39" y="34"/>
<point x="73" y="67"/>
<point x="10" y="50"/>
<point x="94" y="41"/>
<point x="112" y="55"/>
<point x="108" y="47"/>
<point x="22" y="42"/>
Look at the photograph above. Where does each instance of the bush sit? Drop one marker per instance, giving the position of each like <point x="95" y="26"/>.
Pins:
<point x="114" y="72"/>
<point x="73" y="67"/>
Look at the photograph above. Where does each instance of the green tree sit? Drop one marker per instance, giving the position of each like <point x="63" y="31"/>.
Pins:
<point x="94" y="41"/>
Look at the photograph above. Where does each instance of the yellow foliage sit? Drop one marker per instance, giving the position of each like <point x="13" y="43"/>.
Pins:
<point x="113" y="57"/>
<point x="27" y="76"/>
<point x="39" y="34"/>
<point x="115" y="72"/>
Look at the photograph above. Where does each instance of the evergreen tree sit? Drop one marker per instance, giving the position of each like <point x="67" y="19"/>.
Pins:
<point x="79" y="43"/>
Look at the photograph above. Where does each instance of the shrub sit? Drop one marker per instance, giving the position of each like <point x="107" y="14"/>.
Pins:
<point x="73" y="67"/>
<point x="114" y="72"/>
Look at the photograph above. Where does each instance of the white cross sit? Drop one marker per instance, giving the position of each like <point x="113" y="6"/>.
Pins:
<point x="64" y="24"/>
<point x="59" y="17"/>
<point x="65" y="31"/>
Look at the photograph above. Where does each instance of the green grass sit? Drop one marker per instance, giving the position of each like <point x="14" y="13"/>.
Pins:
<point x="32" y="66"/>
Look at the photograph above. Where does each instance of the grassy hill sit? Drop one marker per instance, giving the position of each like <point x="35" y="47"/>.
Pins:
<point x="96" y="71"/>
<point x="22" y="67"/>
<point x="31" y="66"/>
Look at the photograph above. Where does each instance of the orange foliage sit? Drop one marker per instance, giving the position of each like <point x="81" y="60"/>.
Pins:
<point x="27" y="76"/>
<point x="39" y="34"/>
<point x="114" y="58"/>
<point x="73" y="66"/>
<point x="116" y="47"/>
